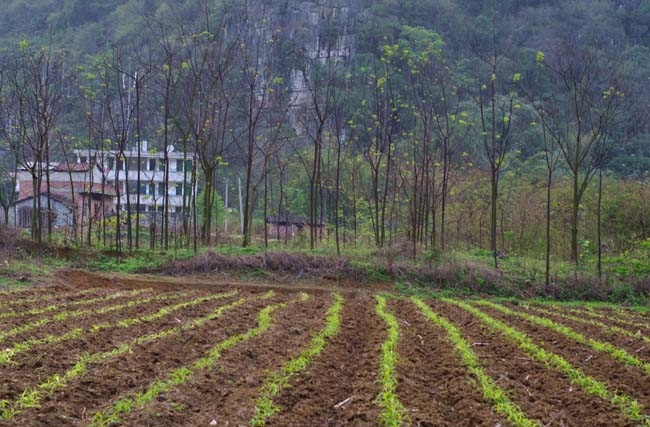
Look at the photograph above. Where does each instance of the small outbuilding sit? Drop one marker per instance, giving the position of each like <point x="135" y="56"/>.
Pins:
<point x="290" y="226"/>
<point x="61" y="213"/>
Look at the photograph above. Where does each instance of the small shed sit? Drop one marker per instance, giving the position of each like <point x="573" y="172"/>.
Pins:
<point x="62" y="212"/>
<point x="289" y="226"/>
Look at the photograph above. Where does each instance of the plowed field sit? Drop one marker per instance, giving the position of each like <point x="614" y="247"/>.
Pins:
<point x="92" y="351"/>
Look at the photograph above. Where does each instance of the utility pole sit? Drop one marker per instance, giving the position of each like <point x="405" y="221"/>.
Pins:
<point x="225" y="217"/>
<point x="241" y="208"/>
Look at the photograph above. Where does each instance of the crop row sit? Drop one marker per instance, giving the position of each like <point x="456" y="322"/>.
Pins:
<point x="597" y="345"/>
<point x="611" y="329"/>
<point x="31" y="398"/>
<point x="491" y="391"/>
<point x="54" y="307"/>
<point x="65" y="315"/>
<point x="597" y="315"/>
<point x="637" y="312"/>
<point x="277" y="381"/>
<point x="47" y="297"/>
<point x="76" y="333"/>
<point x="180" y="376"/>
<point x="393" y="412"/>
<point x="628" y="406"/>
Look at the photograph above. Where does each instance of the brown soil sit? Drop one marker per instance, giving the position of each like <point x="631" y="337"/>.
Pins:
<point x="213" y="282"/>
<point x="612" y="317"/>
<point x="31" y="368"/>
<point x="627" y="379"/>
<point x="227" y="394"/>
<point x="635" y="346"/>
<point x="22" y="319"/>
<point x="433" y="385"/>
<point x="23" y="300"/>
<point x="340" y="387"/>
<point x="542" y="393"/>
<point x="39" y="355"/>
<point x="76" y="403"/>
<point x="627" y="314"/>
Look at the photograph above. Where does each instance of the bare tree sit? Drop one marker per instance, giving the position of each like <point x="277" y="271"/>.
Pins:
<point x="578" y="119"/>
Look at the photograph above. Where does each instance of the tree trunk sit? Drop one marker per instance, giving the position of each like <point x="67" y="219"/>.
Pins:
<point x="574" y="220"/>
<point x="599" y="218"/>
<point x="547" y="272"/>
<point x="494" y="180"/>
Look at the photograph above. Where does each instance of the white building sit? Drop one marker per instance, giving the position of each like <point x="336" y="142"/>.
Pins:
<point x="152" y="176"/>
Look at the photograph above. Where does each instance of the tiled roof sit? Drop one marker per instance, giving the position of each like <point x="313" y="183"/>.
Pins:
<point x="63" y="188"/>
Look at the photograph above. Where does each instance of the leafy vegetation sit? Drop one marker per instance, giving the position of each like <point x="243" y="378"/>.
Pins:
<point x="75" y="333"/>
<point x="64" y="315"/>
<point x="404" y="158"/>
<point x="628" y="406"/>
<point x="491" y="391"/>
<point x="597" y="345"/>
<point x="393" y="412"/>
<point x="277" y="381"/>
<point x="612" y="329"/>
<point x="31" y="398"/>
<point x="182" y="375"/>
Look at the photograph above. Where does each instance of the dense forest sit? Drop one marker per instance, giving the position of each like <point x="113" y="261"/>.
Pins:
<point x="513" y="126"/>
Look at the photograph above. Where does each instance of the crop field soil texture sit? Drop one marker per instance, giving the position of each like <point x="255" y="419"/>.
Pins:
<point x="135" y="352"/>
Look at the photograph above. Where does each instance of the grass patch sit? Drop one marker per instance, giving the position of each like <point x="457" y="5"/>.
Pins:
<point x="112" y="414"/>
<point x="491" y="391"/>
<point x="277" y="381"/>
<point x="393" y="412"/>
<point x="630" y="408"/>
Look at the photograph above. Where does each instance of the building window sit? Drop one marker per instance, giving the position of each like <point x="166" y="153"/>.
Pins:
<point x="161" y="165"/>
<point x="120" y="165"/>
<point x="179" y="165"/>
<point x="188" y="165"/>
<point x="179" y="189"/>
<point x="152" y="164"/>
<point x="161" y="188"/>
<point x="143" y="188"/>
<point x="152" y="189"/>
<point x="178" y="209"/>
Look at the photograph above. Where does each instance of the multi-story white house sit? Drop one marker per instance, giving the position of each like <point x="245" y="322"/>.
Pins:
<point x="152" y="176"/>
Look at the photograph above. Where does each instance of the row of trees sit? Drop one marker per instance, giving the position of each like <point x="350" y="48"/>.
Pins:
<point x="386" y="134"/>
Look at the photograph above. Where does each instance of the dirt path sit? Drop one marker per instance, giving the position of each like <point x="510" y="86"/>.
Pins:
<point x="542" y="393"/>
<point x="433" y="385"/>
<point x="344" y="374"/>
<point x="214" y="282"/>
